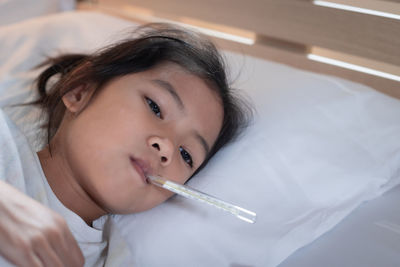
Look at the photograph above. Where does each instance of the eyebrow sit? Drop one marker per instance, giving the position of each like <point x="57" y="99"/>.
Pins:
<point x="203" y="143"/>
<point x="171" y="90"/>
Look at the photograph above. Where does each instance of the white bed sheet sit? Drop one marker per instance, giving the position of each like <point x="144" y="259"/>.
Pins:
<point x="368" y="237"/>
<point x="319" y="147"/>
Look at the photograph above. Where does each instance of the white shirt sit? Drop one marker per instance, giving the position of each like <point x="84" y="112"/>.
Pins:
<point x="20" y="167"/>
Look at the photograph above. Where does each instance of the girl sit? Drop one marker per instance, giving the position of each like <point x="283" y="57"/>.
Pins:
<point x="158" y="104"/>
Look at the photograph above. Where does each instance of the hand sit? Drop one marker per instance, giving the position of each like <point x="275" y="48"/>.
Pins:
<point x="32" y="234"/>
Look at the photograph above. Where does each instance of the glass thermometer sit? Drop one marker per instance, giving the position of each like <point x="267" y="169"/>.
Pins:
<point x="243" y="214"/>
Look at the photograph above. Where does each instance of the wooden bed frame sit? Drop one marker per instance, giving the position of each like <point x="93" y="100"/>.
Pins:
<point x="288" y="31"/>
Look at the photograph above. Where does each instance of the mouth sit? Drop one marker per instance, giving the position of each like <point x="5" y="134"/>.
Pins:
<point x="141" y="168"/>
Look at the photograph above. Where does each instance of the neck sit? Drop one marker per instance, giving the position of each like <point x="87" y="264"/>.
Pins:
<point x="66" y="186"/>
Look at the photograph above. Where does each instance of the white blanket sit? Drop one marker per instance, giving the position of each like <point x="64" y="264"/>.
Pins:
<point x="20" y="167"/>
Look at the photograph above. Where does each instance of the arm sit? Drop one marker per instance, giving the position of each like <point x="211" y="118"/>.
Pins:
<point x="32" y="234"/>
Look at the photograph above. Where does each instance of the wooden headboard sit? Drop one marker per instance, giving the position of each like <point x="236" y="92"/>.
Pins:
<point x="299" y="33"/>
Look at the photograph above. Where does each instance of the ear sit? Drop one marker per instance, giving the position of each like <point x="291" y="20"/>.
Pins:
<point x="76" y="99"/>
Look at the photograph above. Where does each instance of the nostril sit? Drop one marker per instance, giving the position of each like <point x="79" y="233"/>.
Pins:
<point x="155" y="145"/>
<point x="163" y="159"/>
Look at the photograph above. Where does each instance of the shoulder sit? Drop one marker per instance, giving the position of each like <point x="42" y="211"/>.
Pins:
<point x="7" y="133"/>
<point x="13" y="153"/>
<point x="10" y="135"/>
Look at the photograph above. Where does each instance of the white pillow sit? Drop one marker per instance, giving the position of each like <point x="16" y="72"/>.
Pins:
<point x="318" y="148"/>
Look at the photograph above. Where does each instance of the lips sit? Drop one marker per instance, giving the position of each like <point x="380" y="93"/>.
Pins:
<point x="141" y="167"/>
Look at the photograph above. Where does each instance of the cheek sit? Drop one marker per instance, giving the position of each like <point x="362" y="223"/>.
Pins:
<point x="97" y="137"/>
<point x="113" y="125"/>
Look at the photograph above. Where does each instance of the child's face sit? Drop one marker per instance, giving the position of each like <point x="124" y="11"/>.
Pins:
<point x="158" y="122"/>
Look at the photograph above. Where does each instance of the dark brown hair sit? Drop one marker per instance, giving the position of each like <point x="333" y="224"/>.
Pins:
<point x="151" y="45"/>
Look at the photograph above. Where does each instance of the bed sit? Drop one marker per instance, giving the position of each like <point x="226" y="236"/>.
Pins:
<point x="320" y="164"/>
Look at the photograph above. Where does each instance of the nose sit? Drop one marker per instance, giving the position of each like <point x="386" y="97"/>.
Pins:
<point x="163" y="147"/>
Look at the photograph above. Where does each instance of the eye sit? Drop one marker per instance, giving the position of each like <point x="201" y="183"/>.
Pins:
<point x="186" y="157"/>
<point x="154" y="107"/>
